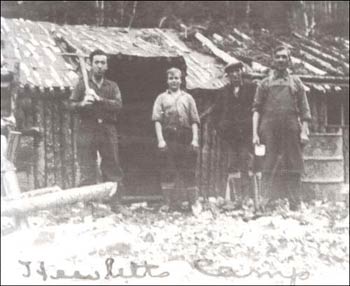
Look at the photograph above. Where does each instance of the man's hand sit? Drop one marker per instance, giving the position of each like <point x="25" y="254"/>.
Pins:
<point x="194" y="145"/>
<point x="304" y="134"/>
<point x="161" y="144"/>
<point x="92" y="95"/>
<point x="89" y="98"/>
<point x="256" y="139"/>
<point x="87" y="102"/>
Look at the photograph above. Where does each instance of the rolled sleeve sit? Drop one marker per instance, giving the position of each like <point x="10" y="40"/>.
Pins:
<point x="303" y="103"/>
<point x="157" y="113"/>
<point x="259" y="98"/>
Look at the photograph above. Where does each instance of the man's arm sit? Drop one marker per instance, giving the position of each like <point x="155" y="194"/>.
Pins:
<point x="113" y="104"/>
<point x="304" y="110"/>
<point x="195" y="141"/>
<point x="259" y="99"/>
<point x="159" y="134"/>
<point x="157" y="116"/>
<point x="256" y="117"/>
<point x="195" y="121"/>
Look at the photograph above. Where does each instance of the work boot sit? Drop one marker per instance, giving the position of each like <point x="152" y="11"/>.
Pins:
<point x="196" y="208"/>
<point x="166" y="190"/>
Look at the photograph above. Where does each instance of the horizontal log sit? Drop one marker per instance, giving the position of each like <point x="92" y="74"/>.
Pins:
<point x="57" y="199"/>
<point x="309" y="78"/>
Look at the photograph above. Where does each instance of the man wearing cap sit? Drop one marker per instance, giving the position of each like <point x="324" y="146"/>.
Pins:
<point x="235" y="128"/>
<point x="280" y="121"/>
<point x="97" y="108"/>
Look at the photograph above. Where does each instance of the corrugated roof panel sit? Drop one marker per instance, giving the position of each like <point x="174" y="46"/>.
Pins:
<point x="42" y="63"/>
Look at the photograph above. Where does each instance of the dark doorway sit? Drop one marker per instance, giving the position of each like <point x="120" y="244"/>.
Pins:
<point x="140" y="81"/>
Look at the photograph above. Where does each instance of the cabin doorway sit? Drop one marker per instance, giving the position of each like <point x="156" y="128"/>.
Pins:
<point x="140" y="81"/>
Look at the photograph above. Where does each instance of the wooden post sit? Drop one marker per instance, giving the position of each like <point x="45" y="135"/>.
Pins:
<point x="67" y="157"/>
<point x="49" y="140"/>
<point x="39" y="143"/>
<point x="314" y="111"/>
<point x="76" y="171"/>
<point x="57" y="135"/>
<point x="205" y="155"/>
<point x="211" y="160"/>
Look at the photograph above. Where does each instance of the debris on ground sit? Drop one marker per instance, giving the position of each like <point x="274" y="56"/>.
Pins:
<point x="220" y="245"/>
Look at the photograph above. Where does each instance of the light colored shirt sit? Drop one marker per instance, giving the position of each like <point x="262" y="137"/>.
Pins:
<point x="175" y="111"/>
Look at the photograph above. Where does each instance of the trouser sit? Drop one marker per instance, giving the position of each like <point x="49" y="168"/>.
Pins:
<point x="282" y="185"/>
<point x="178" y="167"/>
<point x="240" y="165"/>
<point x="98" y="137"/>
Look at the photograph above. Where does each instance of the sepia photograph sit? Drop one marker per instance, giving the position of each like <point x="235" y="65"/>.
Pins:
<point x="175" y="143"/>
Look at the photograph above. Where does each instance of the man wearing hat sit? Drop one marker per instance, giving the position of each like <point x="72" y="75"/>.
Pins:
<point x="280" y="121"/>
<point x="235" y="128"/>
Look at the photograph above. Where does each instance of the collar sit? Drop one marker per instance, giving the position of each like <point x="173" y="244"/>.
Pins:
<point x="99" y="85"/>
<point x="179" y="92"/>
<point x="284" y="74"/>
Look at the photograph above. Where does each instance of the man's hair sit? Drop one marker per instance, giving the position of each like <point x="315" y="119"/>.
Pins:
<point x="173" y="70"/>
<point x="95" y="53"/>
<point x="281" y="48"/>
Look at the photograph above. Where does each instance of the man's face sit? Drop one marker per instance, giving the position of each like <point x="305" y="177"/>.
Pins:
<point x="174" y="80"/>
<point x="281" y="60"/>
<point x="99" y="65"/>
<point x="235" y="77"/>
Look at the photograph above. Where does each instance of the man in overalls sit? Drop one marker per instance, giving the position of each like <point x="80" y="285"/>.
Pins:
<point x="280" y="121"/>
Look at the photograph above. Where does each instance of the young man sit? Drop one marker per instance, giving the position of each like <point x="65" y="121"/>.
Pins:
<point x="280" y="104"/>
<point x="176" y="123"/>
<point x="235" y="128"/>
<point x="97" y="108"/>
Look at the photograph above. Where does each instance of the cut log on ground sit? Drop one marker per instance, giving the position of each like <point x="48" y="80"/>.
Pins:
<point x="58" y="199"/>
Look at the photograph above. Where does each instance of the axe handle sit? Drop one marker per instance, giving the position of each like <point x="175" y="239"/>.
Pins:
<point x="84" y="72"/>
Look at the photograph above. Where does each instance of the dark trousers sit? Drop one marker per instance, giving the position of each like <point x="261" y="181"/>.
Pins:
<point x="178" y="166"/>
<point x="101" y="137"/>
<point x="282" y="185"/>
<point x="240" y="161"/>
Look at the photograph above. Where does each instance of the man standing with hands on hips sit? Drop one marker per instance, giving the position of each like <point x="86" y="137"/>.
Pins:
<point x="280" y="121"/>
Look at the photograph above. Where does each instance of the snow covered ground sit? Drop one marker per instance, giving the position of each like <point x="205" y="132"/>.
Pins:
<point x="74" y="246"/>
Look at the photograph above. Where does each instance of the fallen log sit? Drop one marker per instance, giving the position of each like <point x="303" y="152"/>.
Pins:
<point x="40" y="192"/>
<point x="57" y="199"/>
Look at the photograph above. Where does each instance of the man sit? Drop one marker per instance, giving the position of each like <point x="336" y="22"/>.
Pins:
<point x="235" y="128"/>
<point x="97" y="108"/>
<point x="176" y="124"/>
<point x="280" y="104"/>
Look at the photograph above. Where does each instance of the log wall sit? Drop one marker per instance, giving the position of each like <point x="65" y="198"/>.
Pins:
<point x="55" y="161"/>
